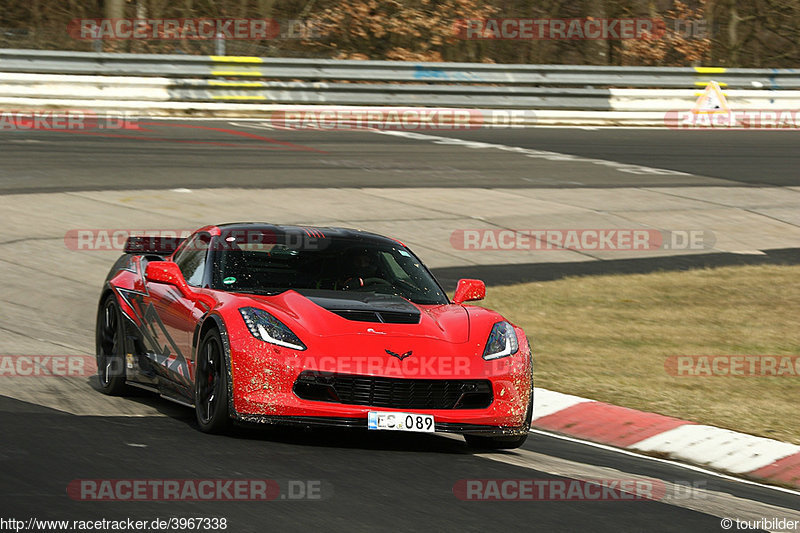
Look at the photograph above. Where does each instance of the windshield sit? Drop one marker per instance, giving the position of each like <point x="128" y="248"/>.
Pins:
<point x="340" y="264"/>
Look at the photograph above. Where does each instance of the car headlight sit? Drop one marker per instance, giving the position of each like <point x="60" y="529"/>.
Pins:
<point x="502" y="342"/>
<point x="267" y="328"/>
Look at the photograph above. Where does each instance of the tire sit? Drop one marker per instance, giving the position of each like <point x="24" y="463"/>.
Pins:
<point x="110" y="348"/>
<point x="503" y="443"/>
<point x="211" y="385"/>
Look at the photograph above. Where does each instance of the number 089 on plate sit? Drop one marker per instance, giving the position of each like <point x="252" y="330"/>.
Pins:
<point x="394" y="421"/>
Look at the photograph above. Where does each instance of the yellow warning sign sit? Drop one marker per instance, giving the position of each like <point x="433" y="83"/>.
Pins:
<point x="712" y="100"/>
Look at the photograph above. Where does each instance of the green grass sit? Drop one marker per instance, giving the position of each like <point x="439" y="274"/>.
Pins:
<point x="607" y="338"/>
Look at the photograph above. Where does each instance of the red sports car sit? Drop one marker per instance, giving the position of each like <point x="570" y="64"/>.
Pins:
<point x="311" y="326"/>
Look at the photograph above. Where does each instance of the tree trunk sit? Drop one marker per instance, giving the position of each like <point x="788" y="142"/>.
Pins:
<point x="115" y="9"/>
<point x="733" y="37"/>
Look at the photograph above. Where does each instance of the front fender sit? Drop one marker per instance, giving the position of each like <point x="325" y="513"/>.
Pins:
<point x="213" y="320"/>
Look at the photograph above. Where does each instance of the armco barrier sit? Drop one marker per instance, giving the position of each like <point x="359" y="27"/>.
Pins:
<point x="184" y="66"/>
<point x="252" y="86"/>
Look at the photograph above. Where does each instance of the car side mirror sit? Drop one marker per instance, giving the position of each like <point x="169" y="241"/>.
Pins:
<point x="469" y="290"/>
<point x="166" y="272"/>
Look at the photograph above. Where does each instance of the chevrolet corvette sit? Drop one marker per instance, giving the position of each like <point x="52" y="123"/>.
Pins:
<point x="260" y="323"/>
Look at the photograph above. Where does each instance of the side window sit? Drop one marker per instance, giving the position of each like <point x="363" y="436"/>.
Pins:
<point x="192" y="258"/>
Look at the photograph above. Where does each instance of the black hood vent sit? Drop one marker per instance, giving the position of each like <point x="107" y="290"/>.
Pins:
<point x="361" y="307"/>
<point x="386" y="317"/>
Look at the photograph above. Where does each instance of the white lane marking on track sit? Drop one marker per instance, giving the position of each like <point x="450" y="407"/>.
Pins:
<point x="537" y="154"/>
<point x="699" y="499"/>
<point x="261" y="126"/>
<point x="552" y="181"/>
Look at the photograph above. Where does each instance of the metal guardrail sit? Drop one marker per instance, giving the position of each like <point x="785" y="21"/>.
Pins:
<point x="183" y="66"/>
<point x="378" y="94"/>
<point x="349" y="82"/>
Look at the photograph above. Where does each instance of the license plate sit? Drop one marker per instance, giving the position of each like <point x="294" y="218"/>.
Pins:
<point x="394" y="421"/>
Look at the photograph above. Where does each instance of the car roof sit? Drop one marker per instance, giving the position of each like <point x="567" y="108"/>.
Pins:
<point x="312" y="231"/>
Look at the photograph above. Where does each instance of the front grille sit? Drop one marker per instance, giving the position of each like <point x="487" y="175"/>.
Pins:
<point x="396" y="393"/>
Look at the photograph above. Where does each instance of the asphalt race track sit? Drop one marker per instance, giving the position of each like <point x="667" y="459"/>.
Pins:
<point x="200" y="154"/>
<point x="367" y="481"/>
<point x="55" y="432"/>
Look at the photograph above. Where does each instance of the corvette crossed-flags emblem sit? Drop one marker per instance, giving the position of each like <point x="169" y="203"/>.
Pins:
<point x="398" y="355"/>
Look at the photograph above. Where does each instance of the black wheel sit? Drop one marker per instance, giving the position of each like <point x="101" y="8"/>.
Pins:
<point x="110" y="347"/>
<point x="503" y="443"/>
<point x="211" y="385"/>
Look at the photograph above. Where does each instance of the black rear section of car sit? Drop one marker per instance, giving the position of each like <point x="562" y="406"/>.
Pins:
<point x="158" y="245"/>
